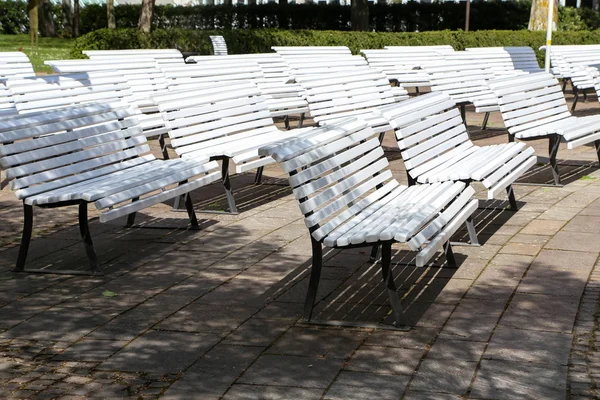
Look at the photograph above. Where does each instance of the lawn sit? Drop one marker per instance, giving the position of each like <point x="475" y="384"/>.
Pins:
<point x="49" y="49"/>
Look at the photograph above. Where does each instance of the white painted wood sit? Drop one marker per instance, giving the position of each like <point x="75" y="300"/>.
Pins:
<point x="349" y="196"/>
<point x="93" y="153"/>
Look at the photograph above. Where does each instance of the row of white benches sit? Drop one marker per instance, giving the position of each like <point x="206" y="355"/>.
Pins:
<point x="98" y="153"/>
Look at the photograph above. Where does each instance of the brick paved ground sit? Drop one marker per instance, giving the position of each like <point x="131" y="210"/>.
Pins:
<point x="216" y="313"/>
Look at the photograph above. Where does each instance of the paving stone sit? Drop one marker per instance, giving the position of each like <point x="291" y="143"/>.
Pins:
<point x="543" y="227"/>
<point x="447" y="376"/>
<point x="214" y="373"/>
<point x="477" y="327"/>
<point x="500" y="293"/>
<point x="258" y="332"/>
<point x="91" y="350"/>
<point x="252" y="392"/>
<point x="161" y="352"/>
<point x="208" y="318"/>
<point x="574" y="241"/>
<point x="569" y="260"/>
<point x="541" y="312"/>
<point x="416" y="338"/>
<point x="360" y="385"/>
<point x="316" y="342"/>
<point x="444" y="348"/>
<point x="421" y="395"/>
<point x="518" y="380"/>
<point x="529" y="346"/>
<point x="385" y="360"/>
<point x="305" y="372"/>
<point x="554" y="281"/>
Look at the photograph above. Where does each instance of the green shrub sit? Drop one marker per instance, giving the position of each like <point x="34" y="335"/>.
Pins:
<point x="260" y="40"/>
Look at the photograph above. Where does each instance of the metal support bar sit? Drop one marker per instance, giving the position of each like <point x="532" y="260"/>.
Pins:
<point x="315" y="276"/>
<point x="163" y="146"/>
<point x="575" y="98"/>
<point x="553" y="145"/>
<point x="189" y="206"/>
<point x="227" y="186"/>
<point x="84" y="230"/>
<point x="564" y="85"/>
<point x="259" y="174"/>
<point x="485" y="120"/>
<point x="381" y="137"/>
<point x="301" y="120"/>
<point x="472" y="231"/>
<point x="374" y="253"/>
<point x="26" y="238"/>
<point x="388" y="278"/>
<point x="131" y="217"/>
<point x="511" y="198"/>
<point x="463" y="113"/>
<point x="286" y="122"/>
<point x="511" y="138"/>
<point x="450" y="255"/>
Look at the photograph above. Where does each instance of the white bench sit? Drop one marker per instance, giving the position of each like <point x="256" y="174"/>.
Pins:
<point x="466" y="83"/>
<point x="219" y="45"/>
<point x="91" y="154"/>
<point x="400" y="68"/>
<point x="345" y="189"/>
<point x="162" y="56"/>
<point x="225" y="121"/>
<point x="355" y="93"/>
<point x="321" y="65"/>
<point x="506" y="60"/>
<point x="286" y="51"/>
<point x="7" y="106"/>
<point x="435" y="147"/>
<point x="15" y="63"/>
<point x="270" y="74"/>
<point x="534" y="107"/>
<point x="56" y="91"/>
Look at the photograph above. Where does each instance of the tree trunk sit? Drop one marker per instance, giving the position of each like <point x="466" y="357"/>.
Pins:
<point x="145" y="21"/>
<point x="67" y="15"/>
<point x="47" y="28"/>
<point x="110" y="14"/>
<point x="360" y="15"/>
<point x="32" y="9"/>
<point x="538" y="19"/>
<point x="75" y="18"/>
<point x="227" y="2"/>
<point x="596" y="5"/>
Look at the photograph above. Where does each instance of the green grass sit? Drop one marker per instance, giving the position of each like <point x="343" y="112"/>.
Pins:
<point x="49" y="49"/>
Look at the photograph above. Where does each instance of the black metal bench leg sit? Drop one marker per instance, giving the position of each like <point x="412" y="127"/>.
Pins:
<point x="511" y="138"/>
<point x="485" y="121"/>
<point x="463" y="113"/>
<point x="163" y="146"/>
<point x="576" y="93"/>
<point x="374" y="253"/>
<point x="286" y="121"/>
<point x="315" y="276"/>
<point x="597" y="145"/>
<point x="381" y="137"/>
<point x="227" y="186"/>
<point x="553" y="145"/>
<point x="564" y="85"/>
<point x="512" y="201"/>
<point x="301" y="120"/>
<point x="450" y="255"/>
<point x="84" y="230"/>
<point x="131" y="217"/>
<point x="388" y="278"/>
<point x="26" y="238"/>
<point x="189" y="206"/>
<point x="259" y="174"/>
<point x="472" y="231"/>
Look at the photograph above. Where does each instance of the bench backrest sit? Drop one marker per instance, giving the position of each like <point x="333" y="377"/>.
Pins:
<point x="143" y="75"/>
<point x="506" y="60"/>
<point x="331" y="96"/>
<point x="286" y="51"/>
<point x="15" y="63"/>
<point x="272" y="65"/>
<point x="428" y="128"/>
<point x="530" y="101"/>
<point x="7" y="106"/>
<point x="315" y="65"/>
<point x="181" y="77"/>
<point x="48" y="150"/>
<point x="55" y="91"/>
<point x="210" y="120"/>
<point x="461" y="79"/>
<point x="162" y="56"/>
<point x="219" y="45"/>
<point x="335" y="173"/>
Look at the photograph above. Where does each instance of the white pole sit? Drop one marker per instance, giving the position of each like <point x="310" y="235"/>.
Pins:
<point x="549" y="33"/>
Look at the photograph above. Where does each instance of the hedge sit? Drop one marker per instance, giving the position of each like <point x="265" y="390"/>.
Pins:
<point x="261" y="40"/>
<point x="396" y="17"/>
